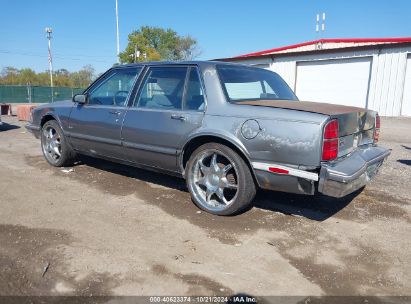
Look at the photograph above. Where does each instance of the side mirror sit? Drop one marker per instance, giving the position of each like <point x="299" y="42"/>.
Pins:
<point x="80" y="98"/>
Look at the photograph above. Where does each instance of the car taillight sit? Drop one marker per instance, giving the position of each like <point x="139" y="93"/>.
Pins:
<point x="377" y="128"/>
<point x="330" y="140"/>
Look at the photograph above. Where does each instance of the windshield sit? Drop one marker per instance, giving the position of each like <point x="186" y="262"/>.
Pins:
<point x="244" y="84"/>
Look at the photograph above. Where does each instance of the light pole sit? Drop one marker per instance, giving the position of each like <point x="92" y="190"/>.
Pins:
<point x="48" y="32"/>
<point x="118" y="36"/>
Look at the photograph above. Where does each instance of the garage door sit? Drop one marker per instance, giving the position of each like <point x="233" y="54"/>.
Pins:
<point x="342" y="81"/>
<point x="406" y="99"/>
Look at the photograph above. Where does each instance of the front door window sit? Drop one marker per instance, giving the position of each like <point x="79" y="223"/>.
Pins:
<point x="114" y="89"/>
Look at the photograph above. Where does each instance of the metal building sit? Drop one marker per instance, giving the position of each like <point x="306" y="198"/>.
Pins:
<point x="373" y="73"/>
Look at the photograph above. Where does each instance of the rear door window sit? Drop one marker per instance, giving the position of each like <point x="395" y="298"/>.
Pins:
<point x="194" y="98"/>
<point x="162" y="88"/>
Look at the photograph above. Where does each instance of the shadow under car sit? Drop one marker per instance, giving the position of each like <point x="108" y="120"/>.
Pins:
<point x="317" y="207"/>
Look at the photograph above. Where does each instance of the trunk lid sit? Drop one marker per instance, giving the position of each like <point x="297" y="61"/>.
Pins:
<point x="356" y="125"/>
<point x="355" y="129"/>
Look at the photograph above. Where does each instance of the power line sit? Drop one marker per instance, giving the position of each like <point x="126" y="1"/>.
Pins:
<point x="89" y="56"/>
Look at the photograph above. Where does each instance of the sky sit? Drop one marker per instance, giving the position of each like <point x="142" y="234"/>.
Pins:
<point x="84" y="31"/>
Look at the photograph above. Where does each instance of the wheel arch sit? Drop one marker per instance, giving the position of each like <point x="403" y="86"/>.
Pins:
<point x="50" y="116"/>
<point x="47" y="117"/>
<point x="196" y="141"/>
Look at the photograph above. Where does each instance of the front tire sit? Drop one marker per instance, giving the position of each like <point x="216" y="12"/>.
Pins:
<point x="56" y="150"/>
<point x="219" y="180"/>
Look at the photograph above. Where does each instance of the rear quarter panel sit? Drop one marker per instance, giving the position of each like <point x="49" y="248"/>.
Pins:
<point x="283" y="136"/>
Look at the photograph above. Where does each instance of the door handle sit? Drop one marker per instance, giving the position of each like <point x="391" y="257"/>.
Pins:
<point x="115" y="112"/>
<point x="178" y="117"/>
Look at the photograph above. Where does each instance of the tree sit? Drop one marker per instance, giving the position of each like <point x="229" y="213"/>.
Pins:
<point x="61" y="77"/>
<point x="189" y="48"/>
<point x="27" y="76"/>
<point x="9" y="75"/>
<point x="83" y="77"/>
<point x="155" y="43"/>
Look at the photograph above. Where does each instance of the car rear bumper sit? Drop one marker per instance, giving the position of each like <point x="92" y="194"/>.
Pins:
<point x="285" y="179"/>
<point x="35" y="130"/>
<point x="337" y="179"/>
<point x="349" y="174"/>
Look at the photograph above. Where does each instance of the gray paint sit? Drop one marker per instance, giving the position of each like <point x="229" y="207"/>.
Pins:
<point x="157" y="138"/>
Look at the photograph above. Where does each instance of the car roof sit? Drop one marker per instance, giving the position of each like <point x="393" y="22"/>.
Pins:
<point x="192" y="62"/>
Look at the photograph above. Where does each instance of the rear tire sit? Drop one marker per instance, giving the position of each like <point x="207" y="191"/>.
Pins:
<point x="56" y="150"/>
<point x="219" y="180"/>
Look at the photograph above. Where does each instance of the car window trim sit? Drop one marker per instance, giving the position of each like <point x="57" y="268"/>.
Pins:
<point x="196" y="69"/>
<point x="200" y="75"/>
<point x="137" y="86"/>
<point x="142" y="82"/>
<point x="97" y="81"/>
<point x="184" y="97"/>
<point x="223" y="87"/>
<point x="106" y="76"/>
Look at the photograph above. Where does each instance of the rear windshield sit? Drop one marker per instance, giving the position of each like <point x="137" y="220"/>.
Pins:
<point x="244" y="84"/>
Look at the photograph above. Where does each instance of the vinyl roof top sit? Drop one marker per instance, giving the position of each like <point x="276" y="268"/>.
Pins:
<point x="177" y="62"/>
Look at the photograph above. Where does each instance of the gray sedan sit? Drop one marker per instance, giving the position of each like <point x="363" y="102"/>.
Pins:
<point x="227" y="129"/>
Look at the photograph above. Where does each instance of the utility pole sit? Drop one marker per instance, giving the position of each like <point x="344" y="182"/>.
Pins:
<point x="118" y="35"/>
<point x="48" y="32"/>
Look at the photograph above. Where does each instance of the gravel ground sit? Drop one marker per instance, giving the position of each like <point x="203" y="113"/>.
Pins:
<point x="106" y="229"/>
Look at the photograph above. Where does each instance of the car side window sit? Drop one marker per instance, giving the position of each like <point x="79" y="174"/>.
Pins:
<point x="114" y="89"/>
<point x="162" y="88"/>
<point x="245" y="90"/>
<point x="194" y="97"/>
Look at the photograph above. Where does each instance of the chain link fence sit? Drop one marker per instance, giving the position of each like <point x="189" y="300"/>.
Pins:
<point x="36" y="94"/>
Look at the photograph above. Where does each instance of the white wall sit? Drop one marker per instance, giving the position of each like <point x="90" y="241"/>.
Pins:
<point x="406" y="98"/>
<point x="387" y="81"/>
<point x="386" y="86"/>
<point x="341" y="81"/>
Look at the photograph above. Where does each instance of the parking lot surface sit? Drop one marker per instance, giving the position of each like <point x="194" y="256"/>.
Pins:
<point x="100" y="228"/>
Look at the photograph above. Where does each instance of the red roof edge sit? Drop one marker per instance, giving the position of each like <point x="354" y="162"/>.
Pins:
<point x="331" y="40"/>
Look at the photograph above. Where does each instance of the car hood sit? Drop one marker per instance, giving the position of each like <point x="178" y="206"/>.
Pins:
<point x="63" y="103"/>
<point x="306" y="106"/>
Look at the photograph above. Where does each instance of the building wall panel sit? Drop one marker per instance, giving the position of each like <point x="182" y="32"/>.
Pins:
<point x="286" y="69"/>
<point x="406" y="98"/>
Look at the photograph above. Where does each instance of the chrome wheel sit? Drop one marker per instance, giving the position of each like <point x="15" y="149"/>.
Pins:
<point x="51" y="144"/>
<point x="213" y="180"/>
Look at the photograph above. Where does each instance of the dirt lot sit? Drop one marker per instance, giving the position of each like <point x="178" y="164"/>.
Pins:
<point x="107" y="229"/>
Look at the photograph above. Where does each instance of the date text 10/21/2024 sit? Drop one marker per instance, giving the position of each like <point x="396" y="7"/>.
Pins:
<point x="203" y="299"/>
